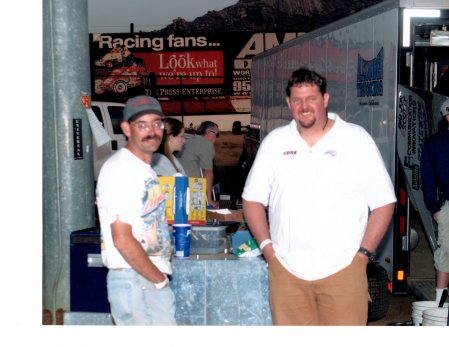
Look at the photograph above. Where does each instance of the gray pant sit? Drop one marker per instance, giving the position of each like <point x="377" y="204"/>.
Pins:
<point x="136" y="301"/>
<point x="441" y="255"/>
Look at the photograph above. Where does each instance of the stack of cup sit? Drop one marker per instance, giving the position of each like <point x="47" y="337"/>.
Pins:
<point x="418" y="307"/>
<point x="181" y="228"/>
<point x="182" y="240"/>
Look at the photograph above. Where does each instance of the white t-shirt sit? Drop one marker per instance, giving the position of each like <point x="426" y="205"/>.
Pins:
<point x="318" y="198"/>
<point x="128" y="190"/>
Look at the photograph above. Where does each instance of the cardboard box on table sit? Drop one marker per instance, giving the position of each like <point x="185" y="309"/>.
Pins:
<point x="185" y="199"/>
<point x="225" y="215"/>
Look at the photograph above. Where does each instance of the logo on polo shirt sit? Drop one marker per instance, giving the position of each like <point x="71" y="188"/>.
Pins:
<point x="331" y="152"/>
<point x="289" y="152"/>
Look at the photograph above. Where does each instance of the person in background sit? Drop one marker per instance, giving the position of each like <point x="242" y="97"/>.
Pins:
<point x="435" y="181"/>
<point x="330" y="201"/>
<point x="164" y="161"/>
<point x="136" y="242"/>
<point x="442" y="86"/>
<point x="198" y="154"/>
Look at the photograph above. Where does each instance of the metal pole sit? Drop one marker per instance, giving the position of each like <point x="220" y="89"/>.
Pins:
<point x="68" y="183"/>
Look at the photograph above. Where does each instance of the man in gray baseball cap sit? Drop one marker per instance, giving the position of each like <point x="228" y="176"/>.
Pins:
<point x="136" y="244"/>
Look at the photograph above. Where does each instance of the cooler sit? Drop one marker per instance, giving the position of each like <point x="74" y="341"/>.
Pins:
<point x="208" y="239"/>
<point x="88" y="291"/>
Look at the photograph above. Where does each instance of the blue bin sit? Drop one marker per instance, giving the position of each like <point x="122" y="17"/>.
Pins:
<point x="88" y="292"/>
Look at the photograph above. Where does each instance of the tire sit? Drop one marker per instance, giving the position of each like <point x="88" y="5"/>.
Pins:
<point x="120" y="87"/>
<point x="378" y="290"/>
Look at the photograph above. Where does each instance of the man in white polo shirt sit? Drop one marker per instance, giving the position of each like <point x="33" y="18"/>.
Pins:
<point x="330" y="201"/>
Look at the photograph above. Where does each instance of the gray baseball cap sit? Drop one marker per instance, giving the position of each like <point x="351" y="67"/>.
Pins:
<point x="141" y="105"/>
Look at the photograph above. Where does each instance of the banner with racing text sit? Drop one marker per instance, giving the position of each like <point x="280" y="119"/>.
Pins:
<point x="188" y="73"/>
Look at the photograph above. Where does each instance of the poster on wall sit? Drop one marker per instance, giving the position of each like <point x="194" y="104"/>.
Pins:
<point x="187" y="73"/>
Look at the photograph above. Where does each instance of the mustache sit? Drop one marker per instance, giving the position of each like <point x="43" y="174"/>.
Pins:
<point x="155" y="137"/>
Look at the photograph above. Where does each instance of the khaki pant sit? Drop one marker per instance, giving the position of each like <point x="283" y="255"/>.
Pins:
<point x="340" y="299"/>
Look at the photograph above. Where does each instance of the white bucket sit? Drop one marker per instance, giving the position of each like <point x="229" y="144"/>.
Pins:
<point x="417" y="319"/>
<point x="431" y="323"/>
<point x="418" y="307"/>
<point x="435" y="316"/>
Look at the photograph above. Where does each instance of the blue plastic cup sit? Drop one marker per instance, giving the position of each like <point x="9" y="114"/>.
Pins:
<point x="182" y="240"/>
<point x="181" y="201"/>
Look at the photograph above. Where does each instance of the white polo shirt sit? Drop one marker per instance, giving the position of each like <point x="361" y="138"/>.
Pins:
<point x="318" y="198"/>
